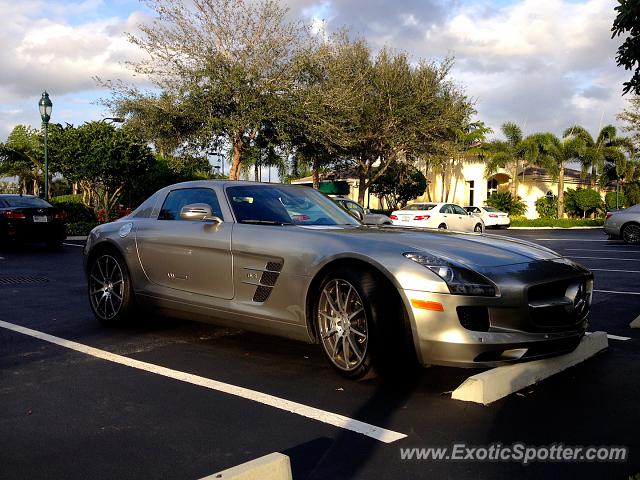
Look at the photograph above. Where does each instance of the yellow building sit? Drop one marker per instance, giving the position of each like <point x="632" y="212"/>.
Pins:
<point x="472" y="186"/>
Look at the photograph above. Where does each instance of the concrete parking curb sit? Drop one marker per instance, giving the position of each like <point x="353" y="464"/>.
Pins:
<point x="635" y="323"/>
<point x="275" y="466"/>
<point x="77" y="238"/>
<point x="494" y="384"/>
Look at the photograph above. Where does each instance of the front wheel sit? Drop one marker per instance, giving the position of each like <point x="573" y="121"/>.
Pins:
<point x="631" y="234"/>
<point x="345" y="314"/>
<point x="478" y="228"/>
<point x="110" y="292"/>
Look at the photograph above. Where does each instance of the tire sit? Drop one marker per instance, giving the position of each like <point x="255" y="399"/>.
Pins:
<point x="110" y="290"/>
<point x="348" y="313"/>
<point x="478" y="228"/>
<point x="442" y="226"/>
<point x="631" y="234"/>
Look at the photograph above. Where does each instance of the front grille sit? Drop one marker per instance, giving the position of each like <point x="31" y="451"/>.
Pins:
<point x="562" y="304"/>
<point x="474" y="318"/>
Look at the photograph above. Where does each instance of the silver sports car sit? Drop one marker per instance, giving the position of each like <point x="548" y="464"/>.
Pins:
<point x="285" y="260"/>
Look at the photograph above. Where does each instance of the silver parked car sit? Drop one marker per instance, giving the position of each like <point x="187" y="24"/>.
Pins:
<point x="286" y="260"/>
<point x="361" y="213"/>
<point x="624" y="223"/>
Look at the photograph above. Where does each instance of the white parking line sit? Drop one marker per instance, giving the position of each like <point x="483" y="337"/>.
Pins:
<point x="610" y="258"/>
<point x="594" y="250"/>
<point x="340" y="421"/>
<point x="621" y="293"/>
<point x="608" y="270"/>
<point x="73" y="245"/>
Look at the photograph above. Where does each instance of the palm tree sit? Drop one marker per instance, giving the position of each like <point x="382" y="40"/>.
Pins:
<point x="510" y="154"/>
<point x="606" y="150"/>
<point x="552" y="153"/>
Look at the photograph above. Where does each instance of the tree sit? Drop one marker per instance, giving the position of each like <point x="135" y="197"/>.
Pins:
<point x="22" y="155"/>
<point x="627" y="22"/>
<point x="510" y="154"/>
<point x="552" y="153"/>
<point x="587" y="200"/>
<point x="631" y="117"/>
<point x="607" y="148"/>
<point x="104" y="160"/>
<point x="326" y="106"/>
<point x="399" y="184"/>
<point x="224" y="65"/>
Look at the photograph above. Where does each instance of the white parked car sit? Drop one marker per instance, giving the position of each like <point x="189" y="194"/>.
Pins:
<point x="492" y="217"/>
<point x="447" y="216"/>
<point x="624" y="223"/>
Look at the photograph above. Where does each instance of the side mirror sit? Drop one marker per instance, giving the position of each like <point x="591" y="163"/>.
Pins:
<point x="198" y="211"/>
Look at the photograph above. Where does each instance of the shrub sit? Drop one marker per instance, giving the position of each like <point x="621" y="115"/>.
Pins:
<point x="632" y="192"/>
<point x="80" y="228"/>
<point x="76" y="211"/>
<point x="587" y="200"/>
<point x="505" y="202"/>
<point x="610" y="200"/>
<point x="547" y="207"/>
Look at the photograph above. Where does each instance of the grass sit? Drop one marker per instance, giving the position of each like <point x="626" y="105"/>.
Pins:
<point x="555" y="222"/>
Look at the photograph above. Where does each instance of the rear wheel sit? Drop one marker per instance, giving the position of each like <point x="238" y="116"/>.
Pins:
<point x="478" y="228"/>
<point x="631" y="233"/>
<point x="110" y="292"/>
<point x="442" y="226"/>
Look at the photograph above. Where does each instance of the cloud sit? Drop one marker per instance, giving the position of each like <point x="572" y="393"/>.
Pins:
<point x="544" y="64"/>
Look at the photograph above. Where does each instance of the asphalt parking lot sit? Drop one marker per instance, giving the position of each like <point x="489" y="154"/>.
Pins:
<point x="68" y="414"/>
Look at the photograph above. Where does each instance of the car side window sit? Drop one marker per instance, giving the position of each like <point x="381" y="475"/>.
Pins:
<point x="354" y="207"/>
<point x="459" y="210"/>
<point x="177" y="199"/>
<point x="446" y="209"/>
<point x="3" y="204"/>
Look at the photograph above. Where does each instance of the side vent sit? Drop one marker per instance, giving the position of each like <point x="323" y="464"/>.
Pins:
<point x="268" y="280"/>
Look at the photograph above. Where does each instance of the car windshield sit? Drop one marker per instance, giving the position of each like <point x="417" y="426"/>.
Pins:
<point x="419" y="206"/>
<point x="491" y="209"/>
<point x="285" y="205"/>
<point x="18" y="201"/>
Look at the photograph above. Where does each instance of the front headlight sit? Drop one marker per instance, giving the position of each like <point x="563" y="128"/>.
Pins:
<point x="459" y="279"/>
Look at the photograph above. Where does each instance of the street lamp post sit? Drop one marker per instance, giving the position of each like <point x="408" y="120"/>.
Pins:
<point x="45" y="106"/>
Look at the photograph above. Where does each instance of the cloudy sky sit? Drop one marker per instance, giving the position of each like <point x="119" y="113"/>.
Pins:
<point x="544" y="64"/>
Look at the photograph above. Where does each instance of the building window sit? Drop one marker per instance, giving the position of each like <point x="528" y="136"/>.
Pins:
<point x="471" y="191"/>
<point x="492" y="187"/>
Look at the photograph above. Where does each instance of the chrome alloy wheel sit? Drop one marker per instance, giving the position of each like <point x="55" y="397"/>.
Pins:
<point x="631" y="234"/>
<point x="106" y="287"/>
<point x="343" y="325"/>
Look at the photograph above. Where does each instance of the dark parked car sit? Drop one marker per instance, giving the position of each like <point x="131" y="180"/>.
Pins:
<point x="25" y="218"/>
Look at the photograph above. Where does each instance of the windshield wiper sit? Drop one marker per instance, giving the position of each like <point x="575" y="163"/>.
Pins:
<point x="265" y="222"/>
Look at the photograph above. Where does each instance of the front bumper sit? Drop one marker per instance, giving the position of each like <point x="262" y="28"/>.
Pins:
<point x="522" y="323"/>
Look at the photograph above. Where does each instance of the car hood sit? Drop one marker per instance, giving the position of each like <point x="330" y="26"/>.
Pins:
<point x="470" y="249"/>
